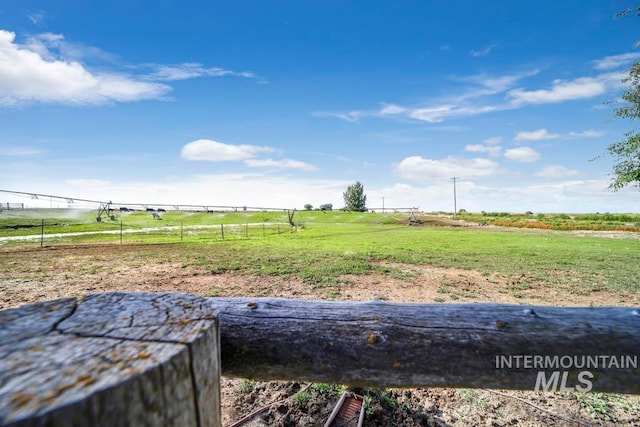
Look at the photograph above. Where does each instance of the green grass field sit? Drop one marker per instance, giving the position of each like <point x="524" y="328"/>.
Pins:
<point x="597" y="221"/>
<point x="29" y="222"/>
<point x="334" y="243"/>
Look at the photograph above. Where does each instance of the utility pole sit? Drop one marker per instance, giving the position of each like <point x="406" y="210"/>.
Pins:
<point x="383" y="205"/>
<point x="455" y="207"/>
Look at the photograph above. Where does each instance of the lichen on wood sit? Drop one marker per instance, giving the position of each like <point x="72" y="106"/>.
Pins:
<point x="110" y="359"/>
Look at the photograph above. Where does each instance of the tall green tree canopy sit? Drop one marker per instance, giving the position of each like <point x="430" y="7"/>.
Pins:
<point x="626" y="169"/>
<point x="354" y="198"/>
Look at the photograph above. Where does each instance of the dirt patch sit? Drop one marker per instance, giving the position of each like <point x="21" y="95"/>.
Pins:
<point x="39" y="275"/>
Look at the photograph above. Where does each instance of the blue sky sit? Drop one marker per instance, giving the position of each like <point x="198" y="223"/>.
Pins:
<point x="283" y="103"/>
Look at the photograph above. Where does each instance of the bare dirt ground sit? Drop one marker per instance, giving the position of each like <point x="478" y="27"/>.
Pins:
<point x="37" y="275"/>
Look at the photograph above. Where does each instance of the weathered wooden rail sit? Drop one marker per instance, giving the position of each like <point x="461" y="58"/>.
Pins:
<point x="154" y="359"/>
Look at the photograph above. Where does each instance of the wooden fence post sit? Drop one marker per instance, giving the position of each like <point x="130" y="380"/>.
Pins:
<point x="111" y="359"/>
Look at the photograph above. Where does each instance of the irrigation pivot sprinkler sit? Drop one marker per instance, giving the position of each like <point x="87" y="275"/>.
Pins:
<point x="105" y="209"/>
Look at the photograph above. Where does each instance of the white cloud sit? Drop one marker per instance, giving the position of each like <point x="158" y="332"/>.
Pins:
<point x="586" y="134"/>
<point x="26" y="76"/>
<point x="49" y="69"/>
<point x="536" y="135"/>
<point x="432" y="114"/>
<point x="37" y="17"/>
<point x="390" y="109"/>
<point x="214" y="151"/>
<point x="503" y="82"/>
<point x="486" y="85"/>
<point x="522" y="154"/>
<point x="54" y="47"/>
<point x="442" y="112"/>
<point x="351" y="116"/>
<point x="281" y="164"/>
<point x="482" y="52"/>
<point x="544" y="134"/>
<point x="193" y="70"/>
<point x="493" y="150"/>
<point x="460" y="106"/>
<point x="556" y="171"/>
<point x="494" y="140"/>
<point x="480" y="97"/>
<point x="453" y="106"/>
<point x="420" y="169"/>
<point x="565" y="90"/>
<point x="615" y="61"/>
<point x="20" y="151"/>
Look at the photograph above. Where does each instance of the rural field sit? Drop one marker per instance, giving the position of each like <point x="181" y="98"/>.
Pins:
<point x="560" y="260"/>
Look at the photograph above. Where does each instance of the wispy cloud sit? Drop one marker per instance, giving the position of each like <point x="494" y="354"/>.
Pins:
<point x="214" y="151"/>
<point x="494" y="140"/>
<point x="37" y="17"/>
<point x="51" y="46"/>
<point x="490" y="93"/>
<point x="566" y="90"/>
<point x="20" y="151"/>
<point x="442" y="112"/>
<point x="544" y="134"/>
<point x="390" y="109"/>
<point x="522" y="155"/>
<point x="482" y="52"/>
<point x="280" y="164"/>
<point x="536" y="135"/>
<point x="418" y="168"/>
<point x="485" y="85"/>
<point x="459" y="105"/>
<point x="556" y="171"/>
<point x="351" y="116"/>
<point x="615" y="61"/>
<point x="586" y="134"/>
<point x="191" y="70"/>
<point x="492" y="150"/>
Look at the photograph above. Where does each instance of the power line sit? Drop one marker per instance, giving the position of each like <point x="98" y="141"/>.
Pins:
<point x="455" y="202"/>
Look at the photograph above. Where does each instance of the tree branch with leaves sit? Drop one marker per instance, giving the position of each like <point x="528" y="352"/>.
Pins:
<point x="626" y="169"/>
<point x="626" y="153"/>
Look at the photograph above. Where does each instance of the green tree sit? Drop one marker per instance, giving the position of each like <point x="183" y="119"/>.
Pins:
<point x="354" y="198"/>
<point x="626" y="153"/>
<point x="308" y="207"/>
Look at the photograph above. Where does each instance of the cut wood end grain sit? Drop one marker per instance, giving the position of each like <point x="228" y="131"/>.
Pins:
<point x="110" y="358"/>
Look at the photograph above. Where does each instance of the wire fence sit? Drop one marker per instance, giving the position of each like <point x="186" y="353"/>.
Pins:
<point x="49" y="232"/>
<point x="8" y="206"/>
